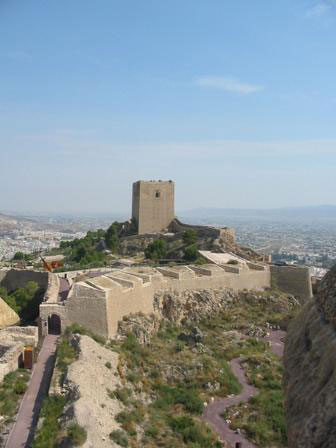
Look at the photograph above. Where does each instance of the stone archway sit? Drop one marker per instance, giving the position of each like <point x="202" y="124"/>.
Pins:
<point x="54" y="324"/>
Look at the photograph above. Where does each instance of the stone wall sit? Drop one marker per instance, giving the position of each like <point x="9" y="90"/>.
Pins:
<point x="176" y="226"/>
<point x="18" y="278"/>
<point x="99" y="303"/>
<point x="293" y="279"/>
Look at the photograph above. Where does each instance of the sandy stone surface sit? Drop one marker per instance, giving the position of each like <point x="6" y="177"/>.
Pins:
<point x="88" y="380"/>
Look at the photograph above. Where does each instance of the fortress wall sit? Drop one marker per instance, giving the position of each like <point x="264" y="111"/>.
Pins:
<point x="246" y="279"/>
<point x="53" y="287"/>
<point x="121" y="302"/>
<point x="87" y="307"/>
<point x="293" y="279"/>
<point x="227" y="233"/>
<point x="18" y="278"/>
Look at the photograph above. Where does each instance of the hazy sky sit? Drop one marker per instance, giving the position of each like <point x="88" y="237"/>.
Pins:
<point x="233" y="99"/>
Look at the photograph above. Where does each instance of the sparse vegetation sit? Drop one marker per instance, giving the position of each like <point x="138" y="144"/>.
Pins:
<point x="263" y="419"/>
<point x="180" y="376"/>
<point x="76" y="434"/>
<point x="79" y="329"/>
<point x="48" y="436"/>
<point x="12" y="388"/>
<point x="120" y="437"/>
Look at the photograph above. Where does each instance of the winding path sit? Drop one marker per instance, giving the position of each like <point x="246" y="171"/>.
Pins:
<point x="212" y="413"/>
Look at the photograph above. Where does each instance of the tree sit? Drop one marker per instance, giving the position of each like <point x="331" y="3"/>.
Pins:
<point x="191" y="252"/>
<point x="156" y="250"/>
<point x="189" y="237"/>
<point x="112" y="236"/>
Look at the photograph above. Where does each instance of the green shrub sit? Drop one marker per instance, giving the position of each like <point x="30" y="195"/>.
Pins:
<point x="77" y="434"/>
<point x="189" y="237"/>
<point x="65" y="354"/>
<point x="47" y="435"/>
<point x="20" y="387"/>
<point x="13" y="386"/>
<point x="118" y="436"/>
<point x="191" y="431"/>
<point x="191" y="252"/>
<point x="169" y="395"/>
<point x="108" y="365"/>
<point x="79" y="329"/>
<point x="123" y="395"/>
<point x="156" y="250"/>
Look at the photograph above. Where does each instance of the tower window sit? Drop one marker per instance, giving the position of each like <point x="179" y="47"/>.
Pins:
<point x="157" y="194"/>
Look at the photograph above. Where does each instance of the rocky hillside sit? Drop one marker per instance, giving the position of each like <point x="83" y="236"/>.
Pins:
<point x="310" y="371"/>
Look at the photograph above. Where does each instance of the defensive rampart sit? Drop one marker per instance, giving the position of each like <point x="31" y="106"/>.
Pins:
<point x="295" y="280"/>
<point x="99" y="302"/>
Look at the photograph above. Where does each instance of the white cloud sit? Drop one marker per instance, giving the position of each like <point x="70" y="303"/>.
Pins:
<point x="320" y="9"/>
<point x="227" y="84"/>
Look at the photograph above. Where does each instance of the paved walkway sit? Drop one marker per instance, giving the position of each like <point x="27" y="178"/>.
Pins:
<point x="23" y="430"/>
<point x="212" y="413"/>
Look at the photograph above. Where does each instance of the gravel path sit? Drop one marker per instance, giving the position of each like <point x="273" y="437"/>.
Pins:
<point x="23" y="430"/>
<point x="212" y="413"/>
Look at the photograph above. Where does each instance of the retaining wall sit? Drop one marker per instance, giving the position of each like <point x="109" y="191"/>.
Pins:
<point x="295" y="280"/>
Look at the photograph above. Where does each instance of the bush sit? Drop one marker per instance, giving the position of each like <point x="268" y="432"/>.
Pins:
<point x="123" y="395"/>
<point x="77" y="434"/>
<point x="156" y="250"/>
<point x="108" y="365"/>
<point x="65" y="354"/>
<point x="52" y="409"/>
<point x="13" y="386"/>
<point x="169" y="395"/>
<point x="189" y="237"/>
<point x="191" y="252"/>
<point x="20" y="387"/>
<point x="118" y="436"/>
<point x="191" y="432"/>
<point x="79" y="329"/>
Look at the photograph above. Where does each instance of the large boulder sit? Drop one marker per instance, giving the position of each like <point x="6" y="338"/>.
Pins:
<point x="7" y="315"/>
<point x="310" y="371"/>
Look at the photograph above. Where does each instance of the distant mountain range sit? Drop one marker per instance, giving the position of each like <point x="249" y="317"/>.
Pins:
<point x="321" y="212"/>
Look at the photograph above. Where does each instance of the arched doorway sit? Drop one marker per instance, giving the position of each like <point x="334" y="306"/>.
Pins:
<point x="54" y="324"/>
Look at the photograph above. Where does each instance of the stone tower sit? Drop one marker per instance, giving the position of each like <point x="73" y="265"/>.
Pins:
<point x="153" y="205"/>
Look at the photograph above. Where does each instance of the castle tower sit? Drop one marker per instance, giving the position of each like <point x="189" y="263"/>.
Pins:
<point x="153" y="205"/>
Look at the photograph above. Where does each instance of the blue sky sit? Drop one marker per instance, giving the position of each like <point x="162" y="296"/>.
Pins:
<point x="234" y="100"/>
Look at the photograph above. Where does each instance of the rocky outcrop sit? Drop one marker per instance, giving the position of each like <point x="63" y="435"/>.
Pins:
<point x="310" y="371"/>
<point x="7" y="315"/>
<point x="191" y="306"/>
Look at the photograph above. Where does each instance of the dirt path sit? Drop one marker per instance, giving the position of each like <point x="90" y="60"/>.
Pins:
<point x="23" y="430"/>
<point x="212" y="413"/>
